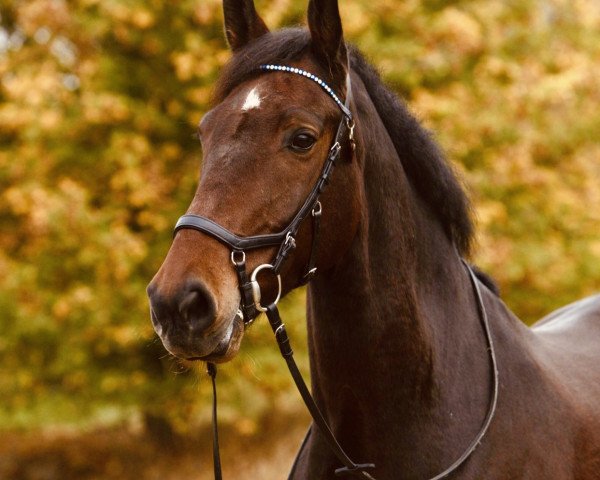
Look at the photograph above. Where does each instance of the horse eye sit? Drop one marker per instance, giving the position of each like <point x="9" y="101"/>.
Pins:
<point x="302" y="142"/>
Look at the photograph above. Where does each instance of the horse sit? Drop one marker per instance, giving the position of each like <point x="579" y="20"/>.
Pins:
<point x="399" y="361"/>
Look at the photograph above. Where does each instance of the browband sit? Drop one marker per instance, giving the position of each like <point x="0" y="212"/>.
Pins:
<point x="283" y="68"/>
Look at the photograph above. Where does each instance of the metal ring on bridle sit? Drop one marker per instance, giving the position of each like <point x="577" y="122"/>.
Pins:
<point x="290" y="240"/>
<point x="317" y="209"/>
<point x="243" y="260"/>
<point x="256" y="293"/>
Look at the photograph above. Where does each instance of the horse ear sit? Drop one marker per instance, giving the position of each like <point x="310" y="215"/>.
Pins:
<point x="327" y="37"/>
<point x="242" y="23"/>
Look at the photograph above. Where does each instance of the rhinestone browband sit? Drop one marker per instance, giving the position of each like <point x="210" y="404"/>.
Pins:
<point x="314" y="78"/>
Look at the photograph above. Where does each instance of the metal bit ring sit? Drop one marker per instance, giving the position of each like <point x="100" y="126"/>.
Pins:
<point x="256" y="293"/>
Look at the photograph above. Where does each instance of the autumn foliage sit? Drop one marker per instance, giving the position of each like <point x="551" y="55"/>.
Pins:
<point x="99" y="101"/>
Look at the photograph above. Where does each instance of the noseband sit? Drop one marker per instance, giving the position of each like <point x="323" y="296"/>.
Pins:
<point x="285" y="240"/>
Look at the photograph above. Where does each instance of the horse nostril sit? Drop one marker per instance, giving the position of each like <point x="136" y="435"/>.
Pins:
<point x="197" y="307"/>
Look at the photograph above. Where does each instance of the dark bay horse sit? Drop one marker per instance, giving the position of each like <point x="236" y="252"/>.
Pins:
<point x="399" y="362"/>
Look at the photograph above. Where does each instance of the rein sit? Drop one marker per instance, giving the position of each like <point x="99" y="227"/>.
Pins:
<point x="250" y="291"/>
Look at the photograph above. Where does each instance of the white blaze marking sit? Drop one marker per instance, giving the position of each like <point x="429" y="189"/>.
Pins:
<point x="252" y="100"/>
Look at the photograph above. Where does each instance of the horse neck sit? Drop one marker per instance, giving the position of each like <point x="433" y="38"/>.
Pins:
<point x="395" y="323"/>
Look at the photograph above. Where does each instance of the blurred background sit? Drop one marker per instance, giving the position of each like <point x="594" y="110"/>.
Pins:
<point x="99" y="102"/>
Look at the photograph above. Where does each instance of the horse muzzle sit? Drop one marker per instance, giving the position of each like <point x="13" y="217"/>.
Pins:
<point x="190" y="327"/>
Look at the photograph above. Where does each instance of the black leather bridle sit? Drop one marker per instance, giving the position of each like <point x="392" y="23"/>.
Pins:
<point x="285" y="240"/>
<point x="250" y="305"/>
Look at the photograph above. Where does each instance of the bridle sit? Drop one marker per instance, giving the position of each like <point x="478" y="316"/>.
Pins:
<point x="285" y="240"/>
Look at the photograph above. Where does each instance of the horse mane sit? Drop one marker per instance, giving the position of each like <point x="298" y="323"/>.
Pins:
<point x="424" y="163"/>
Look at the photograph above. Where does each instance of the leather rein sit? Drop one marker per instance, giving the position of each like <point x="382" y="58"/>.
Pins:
<point x="250" y="291"/>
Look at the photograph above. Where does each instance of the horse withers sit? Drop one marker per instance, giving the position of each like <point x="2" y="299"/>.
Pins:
<point x="399" y="361"/>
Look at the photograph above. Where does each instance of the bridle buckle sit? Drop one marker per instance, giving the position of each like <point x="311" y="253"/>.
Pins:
<point x="350" y="124"/>
<point x="242" y="259"/>
<point x="290" y="241"/>
<point x="309" y="275"/>
<point x="317" y="209"/>
<point x="335" y="150"/>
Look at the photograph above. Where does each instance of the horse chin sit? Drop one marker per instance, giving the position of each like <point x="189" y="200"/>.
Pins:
<point x="228" y="346"/>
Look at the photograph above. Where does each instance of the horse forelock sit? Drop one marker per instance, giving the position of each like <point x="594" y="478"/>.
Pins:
<point x="279" y="47"/>
<point x="423" y="161"/>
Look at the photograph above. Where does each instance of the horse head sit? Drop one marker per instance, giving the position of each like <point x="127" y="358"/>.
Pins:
<point x="264" y="145"/>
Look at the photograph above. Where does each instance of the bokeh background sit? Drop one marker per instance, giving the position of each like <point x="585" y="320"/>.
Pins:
<point x="99" y="101"/>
